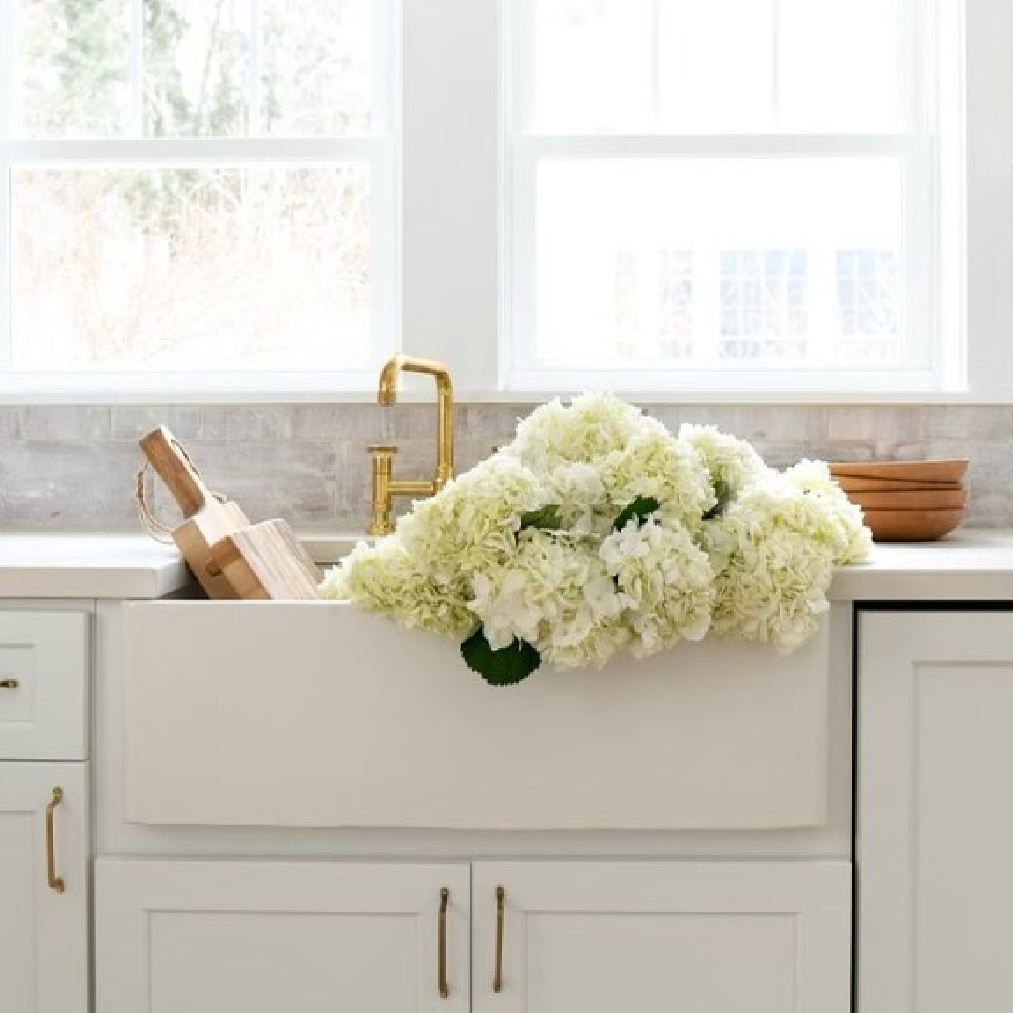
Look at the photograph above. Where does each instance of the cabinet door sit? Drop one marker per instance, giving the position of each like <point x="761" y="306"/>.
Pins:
<point x="43" y="931"/>
<point x="182" y="936"/>
<point x="935" y="815"/>
<point x="718" y="937"/>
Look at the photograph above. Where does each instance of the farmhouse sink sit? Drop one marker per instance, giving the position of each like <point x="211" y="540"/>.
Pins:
<point x="311" y="714"/>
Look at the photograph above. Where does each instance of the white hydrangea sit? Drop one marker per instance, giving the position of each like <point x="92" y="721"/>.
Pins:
<point x="666" y="582"/>
<point x="655" y="464"/>
<point x="592" y="426"/>
<point x="733" y="547"/>
<point x="385" y="578"/>
<point x="814" y="478"/>
<point x="578" y="489"/>
<point x="556" y="595"/>
<point x="471" y="525"/>
<point x="732" y="463"/>
<point x="773" y="551"/>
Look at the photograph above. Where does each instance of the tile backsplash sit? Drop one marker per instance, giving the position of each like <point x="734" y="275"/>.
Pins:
<point x="72" y="468"/>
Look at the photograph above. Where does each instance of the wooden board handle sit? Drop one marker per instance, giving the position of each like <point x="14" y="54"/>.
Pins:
<point x="170" y="461"/>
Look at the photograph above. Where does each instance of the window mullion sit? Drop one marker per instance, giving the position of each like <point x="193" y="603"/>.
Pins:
<point x="451" y="158"/>
<point x="775" y="63"/>
<point x="9" y="97"/>
<point x="136" y="37"/>
<point x="254" y="124"/>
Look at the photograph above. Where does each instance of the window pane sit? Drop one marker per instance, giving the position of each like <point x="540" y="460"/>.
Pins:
<point x="196" y="68"/>
<point x="868" y="298"/>
<point x="716" y="65"/>
<point x="191" y="268"/>
<point x="592" y="64"/>
<point x="841" y="65"/>
<point x="716" y="259"/>
<point x="317" y="66"/>
<point x="74" y="67"/>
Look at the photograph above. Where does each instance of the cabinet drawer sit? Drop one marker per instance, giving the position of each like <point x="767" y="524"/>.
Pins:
<point x="314" y="715"/>
<point x="43" y="685"/>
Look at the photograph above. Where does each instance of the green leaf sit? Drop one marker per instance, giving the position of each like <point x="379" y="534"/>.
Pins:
<point x="723" y="493"/>
<point x="547" y="518"/>
<point x="505" y="667"/>
<point x="641" y="508"/>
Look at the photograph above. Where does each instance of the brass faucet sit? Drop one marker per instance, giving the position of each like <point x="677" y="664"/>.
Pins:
<point x="385" y="486"/>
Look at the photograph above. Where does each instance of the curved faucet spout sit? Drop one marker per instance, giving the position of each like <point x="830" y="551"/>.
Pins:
<point x="384" y="484"/>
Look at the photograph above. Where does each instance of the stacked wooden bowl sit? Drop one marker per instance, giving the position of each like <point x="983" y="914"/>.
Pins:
<point x="906" y="501"/>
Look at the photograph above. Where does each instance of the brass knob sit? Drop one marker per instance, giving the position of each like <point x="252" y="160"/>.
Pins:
<point x="9" y="684"/>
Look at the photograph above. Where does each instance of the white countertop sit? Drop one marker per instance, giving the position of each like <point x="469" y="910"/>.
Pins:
<point x="966" y="566"/>
<point x="88" y="566"/>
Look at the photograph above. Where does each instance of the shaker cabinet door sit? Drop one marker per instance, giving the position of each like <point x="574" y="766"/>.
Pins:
<point x="718" y="937"/>
<point x="185" y="936"/>
<point x="935" y="818"/>
<point x="43" y="888"/>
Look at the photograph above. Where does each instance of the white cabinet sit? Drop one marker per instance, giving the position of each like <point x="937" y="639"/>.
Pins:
<point x="935" y="811"/>
<point x="43" y="929"/>
<point x="185" y="936"/>
<point x="640" y="937"/>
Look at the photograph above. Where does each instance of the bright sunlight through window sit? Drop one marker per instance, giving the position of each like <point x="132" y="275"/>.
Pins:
<point x="737" y="187"/>
<point x="197" y="185"/>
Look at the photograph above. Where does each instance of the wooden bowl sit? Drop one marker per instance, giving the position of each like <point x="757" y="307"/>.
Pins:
<point x="911" y="525"/>
<point x="904" y="471"/>
<point x="852" y="483"/>
<point x="917" y="499"/>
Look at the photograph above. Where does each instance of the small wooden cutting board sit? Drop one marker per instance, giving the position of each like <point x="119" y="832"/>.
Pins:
<point x="208" y="519"/>
<point x="266" y="560"/>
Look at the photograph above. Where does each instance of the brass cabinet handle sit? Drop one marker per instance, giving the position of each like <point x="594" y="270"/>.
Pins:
<point x="8" y="684"/>
<point x="497" y="981"/>
<point x="56" y="883"/>
<point x="441" y="957"/>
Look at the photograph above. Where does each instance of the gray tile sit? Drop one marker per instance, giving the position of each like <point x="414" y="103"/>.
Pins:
<point x="11" y="423"/>
<point x="967" y="422"/>
<point x="366" y="423"/>
<point x="184" y="422"/>
<point x="883" y="423"/>
<point x="61" y="486"/>
<point x="67" y="422"/>
<point x="258" y="422"/>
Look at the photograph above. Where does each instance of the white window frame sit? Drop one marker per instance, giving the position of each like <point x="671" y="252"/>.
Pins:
<point x="377" y="151"/>
<point x="452" y="176"/>
<point x="914" y="151"/>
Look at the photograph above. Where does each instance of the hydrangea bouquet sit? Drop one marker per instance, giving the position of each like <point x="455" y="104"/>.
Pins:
<point x="597" y="530"/>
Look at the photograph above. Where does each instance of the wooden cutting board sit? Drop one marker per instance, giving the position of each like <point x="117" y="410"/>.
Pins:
<point x="208" y="519"/>
<point x="266" y="560"/>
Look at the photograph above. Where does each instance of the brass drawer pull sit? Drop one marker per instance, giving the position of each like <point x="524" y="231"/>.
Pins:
<point x="56" y="883"/>
<point x="9" y="683"/>
<point x="497" y="981"/>
<point x="441" y="957"/>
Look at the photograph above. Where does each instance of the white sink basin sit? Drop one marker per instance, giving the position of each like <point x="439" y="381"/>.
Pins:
<point x="311" y="714"/>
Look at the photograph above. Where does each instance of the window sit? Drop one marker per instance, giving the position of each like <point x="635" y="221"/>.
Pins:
<point x="198" y="187"/>
<point x="672" y="197"/>
<point x="738" y="194"/>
